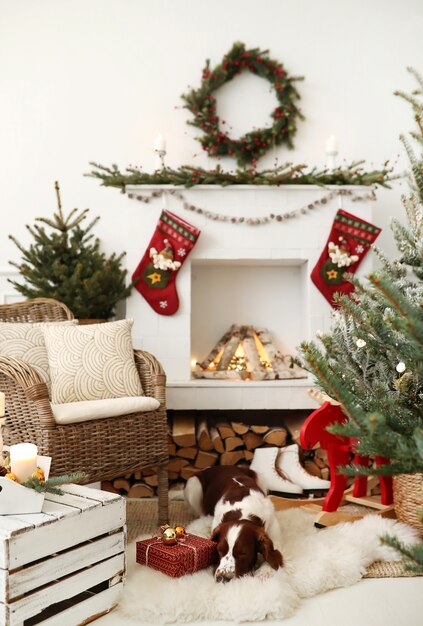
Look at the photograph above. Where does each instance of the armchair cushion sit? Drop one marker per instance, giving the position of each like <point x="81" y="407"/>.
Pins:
<point x="91" y="362"/>
<point x="87" y="410"/>
<point x="25" y="340"/>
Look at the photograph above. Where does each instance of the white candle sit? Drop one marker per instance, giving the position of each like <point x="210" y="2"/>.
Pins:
<point x="332" y="144"/>
<point x="2" y="399"/>
<point x="160" y="143"/>
<point x="23" y="460"/>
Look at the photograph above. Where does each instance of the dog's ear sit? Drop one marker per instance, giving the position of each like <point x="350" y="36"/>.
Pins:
<point x="266" y="548"/>
<point x="216" y="533"/>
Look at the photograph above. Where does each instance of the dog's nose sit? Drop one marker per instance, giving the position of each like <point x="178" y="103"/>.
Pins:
<point x="222" y="579"/>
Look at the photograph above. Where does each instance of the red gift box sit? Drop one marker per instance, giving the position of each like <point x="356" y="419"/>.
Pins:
<point x="185" y="557"/>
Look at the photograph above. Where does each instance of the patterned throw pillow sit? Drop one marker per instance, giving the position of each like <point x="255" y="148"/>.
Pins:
<point x="25" y="340"/>
<point x="91" y="362"/>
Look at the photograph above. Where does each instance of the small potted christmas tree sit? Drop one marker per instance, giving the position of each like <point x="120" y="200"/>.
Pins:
<point x="65" y="263"/>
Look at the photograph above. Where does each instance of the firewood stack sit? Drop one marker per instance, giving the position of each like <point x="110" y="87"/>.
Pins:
<point x="195" y="444"/>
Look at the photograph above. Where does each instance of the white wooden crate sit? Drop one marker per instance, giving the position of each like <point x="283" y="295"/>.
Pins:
<point x="66" y="565"/>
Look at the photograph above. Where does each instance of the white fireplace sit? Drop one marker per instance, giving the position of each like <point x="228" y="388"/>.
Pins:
<point x="257" y="275"/>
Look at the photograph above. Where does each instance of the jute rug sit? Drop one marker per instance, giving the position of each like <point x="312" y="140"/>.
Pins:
<point x="315" y="562"/>
<point x="142" y="520"/>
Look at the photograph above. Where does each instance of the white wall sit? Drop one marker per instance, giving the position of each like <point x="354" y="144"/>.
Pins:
<point x="89" y="80"/>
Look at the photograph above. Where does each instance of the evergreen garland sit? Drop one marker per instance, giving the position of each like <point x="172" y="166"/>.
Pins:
<point x="286" y="174"/>
<point x="251" y="146"/>
<point x="66" y="264"/>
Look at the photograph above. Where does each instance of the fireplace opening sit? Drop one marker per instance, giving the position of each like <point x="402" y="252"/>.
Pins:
<point x="247" y="318"/>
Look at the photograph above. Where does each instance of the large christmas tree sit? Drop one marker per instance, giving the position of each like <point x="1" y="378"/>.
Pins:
<point x="372" y="360"/>
<point x="65" y="263"/>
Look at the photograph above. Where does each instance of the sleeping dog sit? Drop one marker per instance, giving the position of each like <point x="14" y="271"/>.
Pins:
<point x="244" y="523"/>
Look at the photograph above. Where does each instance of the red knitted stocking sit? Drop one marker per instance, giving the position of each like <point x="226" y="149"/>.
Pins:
<point x="348" y="243"/>
<point x="170" y="245"/>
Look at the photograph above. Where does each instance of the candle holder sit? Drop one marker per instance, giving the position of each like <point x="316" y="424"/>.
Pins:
<point x="160" y="160"/>
<point x="16" y="499"/>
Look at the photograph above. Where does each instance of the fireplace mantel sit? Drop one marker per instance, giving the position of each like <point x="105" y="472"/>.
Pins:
<point x="286" y="251"/>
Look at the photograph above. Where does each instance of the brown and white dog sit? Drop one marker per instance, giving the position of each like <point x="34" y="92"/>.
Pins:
<point x="244" y="523"/>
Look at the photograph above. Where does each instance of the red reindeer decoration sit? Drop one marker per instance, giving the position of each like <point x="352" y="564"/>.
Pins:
<point x="339" y="448"/>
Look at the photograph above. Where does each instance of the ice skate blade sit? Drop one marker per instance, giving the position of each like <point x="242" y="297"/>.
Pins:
<point x="282" y="494"/>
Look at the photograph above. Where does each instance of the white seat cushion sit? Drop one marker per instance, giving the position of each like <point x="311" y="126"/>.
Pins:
<point x="86" y="410"/>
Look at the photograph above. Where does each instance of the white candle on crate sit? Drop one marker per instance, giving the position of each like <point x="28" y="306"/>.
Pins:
<point x="23" y="460"/>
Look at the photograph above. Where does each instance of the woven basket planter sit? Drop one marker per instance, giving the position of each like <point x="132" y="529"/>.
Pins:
<point x="408" y="499"/>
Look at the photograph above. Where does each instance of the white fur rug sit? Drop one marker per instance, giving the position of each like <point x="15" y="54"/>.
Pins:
<point x="316" y="560"/>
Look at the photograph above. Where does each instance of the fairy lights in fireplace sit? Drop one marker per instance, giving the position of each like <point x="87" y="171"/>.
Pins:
<point x="246" y="353"/>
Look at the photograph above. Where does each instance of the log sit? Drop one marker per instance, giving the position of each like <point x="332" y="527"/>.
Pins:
<point x="275" y="437"/>
<point x="239" y="428"/>
<point x="176" y="464"/>
<point x="233" y="442"/>
<point x="230" y="349"/>
<point x="217" y="348"/>
<point x="252" y="440"/>
<point x="121" y="483"/>
<point x="260" y="430"/>
<point x="252" y="356"/>
<point x="148" y="471"/>
<point x="205" y="459"/>
<point x="204" y="441"/>
<point x="171" y="447"/>
<point x="173" y="475"/>
<point x="107" y="485"/>
<point x="311" y="468"/>
<point x="224" y="374"/>
<point x="188" y="471"/>
<point x="294" y="425"/>
<point x="187" y="453"/>
<point x="225" y="430"/>
<point x="231" y="458"/>
<point x="280" y="365"/>
<point x="140" y="490"/>
<point x="183" y="430"/>
<point x="137" y="475"/>
<point x="321" y="458"/>
<point x="153" y="481"/>
<point x="217" y="440"/>
<point x="248" y="455"/>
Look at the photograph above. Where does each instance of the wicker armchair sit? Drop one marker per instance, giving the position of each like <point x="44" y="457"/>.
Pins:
<point x="103" y="448"/>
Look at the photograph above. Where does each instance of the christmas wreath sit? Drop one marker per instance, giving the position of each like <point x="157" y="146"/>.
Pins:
<point x="202" y="104"/>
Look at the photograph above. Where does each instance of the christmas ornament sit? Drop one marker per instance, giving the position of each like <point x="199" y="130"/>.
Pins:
<point x="400" y="367"/>
<point x="11" y="476"/>
<point x="180" y="532"/>
<point x="202" y="104"/>
<point x="39" y="474"/>
<point x="348" y="243"/>
<point x="169" y="537"/>
<point x="155" y="276"/>
<point x="163" y="528"/>
<point x="360" y="343"/>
